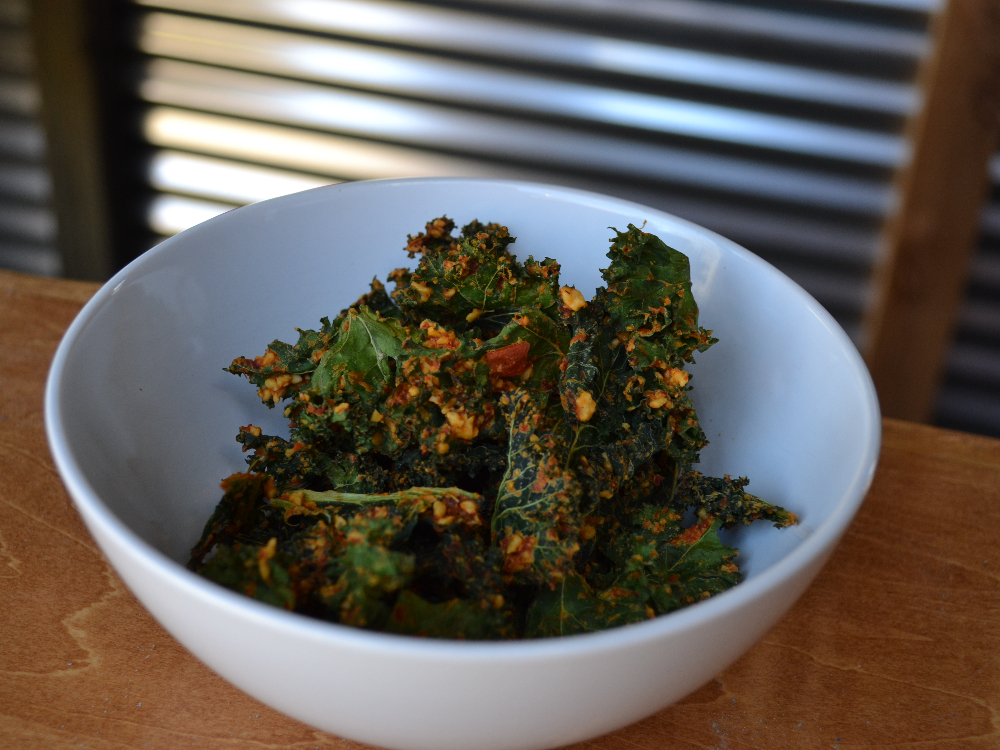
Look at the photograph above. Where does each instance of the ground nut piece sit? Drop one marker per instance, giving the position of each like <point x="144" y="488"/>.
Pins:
<point x="422" y="289"/>
<point x="572" y="298"/>
<point x="264" y="555"/>
<point x="519" y="553"/>
<point x="514" y="544"/>
<point x="438" y="338"/>
<point x="585" y="406"/>
<point x="463" y="425"/>
<point x="439" y="227"/>
<point x="678" y="377"/>
<point x="658" y="399"/>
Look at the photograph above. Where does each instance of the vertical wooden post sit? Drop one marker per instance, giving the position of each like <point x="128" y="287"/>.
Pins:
<point x="71" y="118"/>
<point x="929" y="240"/>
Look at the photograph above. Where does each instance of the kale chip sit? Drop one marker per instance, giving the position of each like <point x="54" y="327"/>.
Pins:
<point x="484" y="453"/>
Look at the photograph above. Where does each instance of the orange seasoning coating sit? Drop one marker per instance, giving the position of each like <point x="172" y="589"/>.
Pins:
<point x="484" y="453"/>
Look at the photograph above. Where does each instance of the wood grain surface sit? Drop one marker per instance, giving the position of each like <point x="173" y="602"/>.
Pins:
<point x="896" y="644"/>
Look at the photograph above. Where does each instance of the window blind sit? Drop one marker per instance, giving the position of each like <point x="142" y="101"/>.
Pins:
<point x="27" y="222"/>
<point x="970" y="396"/>
<point x="776" y="124"/>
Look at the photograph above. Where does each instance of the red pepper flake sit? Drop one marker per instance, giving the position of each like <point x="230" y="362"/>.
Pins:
<point x="693" y="533"/>
<point x="614" y="593"/>
<point x="509" y="361"/>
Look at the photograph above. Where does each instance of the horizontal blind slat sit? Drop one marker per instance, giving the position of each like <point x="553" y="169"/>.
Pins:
<point x="25" y="182"/>
<point x="352" y="64"/>
<point x="42" y="260"/>
<point x="405" y="75"/>
<point x="451" y="29"/>
<point x="432" y="126"/>
<point x="222" y="180"/>
<point x="19" y="96"/>
<point x="341" y="89"/>
<point x="351" y="158"/>
<point x="320" y="153"/>
<point x="171" y="214"/>
<point x="27" y="222"/>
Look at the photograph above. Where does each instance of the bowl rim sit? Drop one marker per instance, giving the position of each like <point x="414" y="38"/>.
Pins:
<point x="818" y="543"/>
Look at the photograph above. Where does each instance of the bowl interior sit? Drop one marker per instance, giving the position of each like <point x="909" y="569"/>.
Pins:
<point x="149" y="417"/>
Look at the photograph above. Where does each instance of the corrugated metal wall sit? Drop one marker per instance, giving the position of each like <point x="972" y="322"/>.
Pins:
<point x="777" y="126"/>
<point x="970" y="397"/>
<point x="27" y="223"/>
<point x="775" y="122"/>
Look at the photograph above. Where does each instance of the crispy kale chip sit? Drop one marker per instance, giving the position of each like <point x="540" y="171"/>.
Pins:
<point x="483" y="453"/>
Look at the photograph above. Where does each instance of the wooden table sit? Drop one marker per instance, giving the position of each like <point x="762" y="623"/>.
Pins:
<point x="896" y="644"/>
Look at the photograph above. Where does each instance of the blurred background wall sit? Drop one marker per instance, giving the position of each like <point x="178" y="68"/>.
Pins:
<point x="27" y="221"/>
<point x="790" y="126"/>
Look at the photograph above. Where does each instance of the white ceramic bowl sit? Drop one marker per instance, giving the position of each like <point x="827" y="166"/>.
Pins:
<point x="141" y="420"/>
